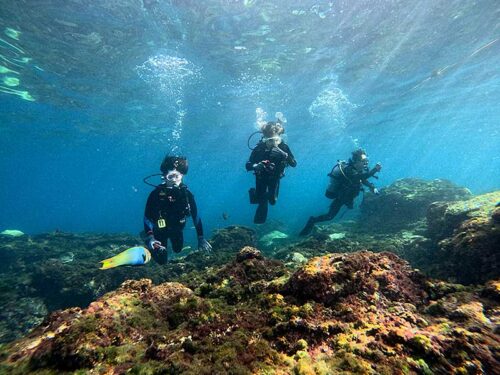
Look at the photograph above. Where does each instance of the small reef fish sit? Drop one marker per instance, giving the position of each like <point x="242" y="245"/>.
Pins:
<point x="134" y="256"/>
<point x="12" y="233"/>
<point x="225" y="215"/>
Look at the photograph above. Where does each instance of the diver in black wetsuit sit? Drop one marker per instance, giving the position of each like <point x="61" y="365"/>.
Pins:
<point x="166" y="211"/>
<point x="346" y="180"/>
<point x="268" y="160"/>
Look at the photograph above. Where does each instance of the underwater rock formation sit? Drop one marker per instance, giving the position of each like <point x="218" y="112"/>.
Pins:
<point x="349" y="237"/>
<point x="19" y="316"/>
<point x="467" y="238"/>
<point x="59" y="270"/>
<point x="232" y="238"/>
<point x="330" y="278"/>
<point x="406" y="201"/>
<point x="245" y="276"/>
<point x="361" y="313"/>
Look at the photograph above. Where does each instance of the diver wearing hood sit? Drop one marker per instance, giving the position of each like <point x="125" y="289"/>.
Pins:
<point x="268" y="161"/>
<point x="167" y="208"/>
<point x="346" y="180"/>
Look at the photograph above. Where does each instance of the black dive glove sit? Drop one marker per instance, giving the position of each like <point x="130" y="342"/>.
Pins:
<point x="278" y="153"/>
<point x="263" y="166"/>
<point x="259" y="167"/>
<point x="154" y="245"/>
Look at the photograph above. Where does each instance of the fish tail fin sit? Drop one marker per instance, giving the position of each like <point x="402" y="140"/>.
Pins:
<point x="118" y="260"/>
<point x="108" y="263"/>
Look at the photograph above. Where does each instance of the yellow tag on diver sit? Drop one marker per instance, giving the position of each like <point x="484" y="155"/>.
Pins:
<point x="161" y="223"/>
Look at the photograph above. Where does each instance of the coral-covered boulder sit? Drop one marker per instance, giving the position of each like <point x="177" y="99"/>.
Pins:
<point x="248" y="252"/>
<point x="366" y="275"/>
<point x="232" y="238"/>
<point x="405" y="201"/>
<point x="251" y="266"/>
<point x="248" y="274"/>
<point x="76" y="338"/>
<point x="444" y="218"/>
<point x="467" y="237"/>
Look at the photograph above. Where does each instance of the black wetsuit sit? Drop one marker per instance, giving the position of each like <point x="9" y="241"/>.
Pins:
<point x="165" y="217"/>
<point x="267" y="182"/>
<point x="348" y="185"/>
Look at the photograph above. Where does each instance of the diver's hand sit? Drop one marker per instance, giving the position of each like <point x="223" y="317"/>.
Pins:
<point x="375" y="191"/>
<point x="269" y="167"/>
<point x="154" y="244"/>
<point x="204" y="245"/>
<point x="278" y="153"/>
<point x="261" y="166"/>
<point x="378" y="167"/>
<point x="161" y="251"/>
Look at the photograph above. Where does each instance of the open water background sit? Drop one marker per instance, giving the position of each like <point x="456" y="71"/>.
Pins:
<point x="116" y="84"/>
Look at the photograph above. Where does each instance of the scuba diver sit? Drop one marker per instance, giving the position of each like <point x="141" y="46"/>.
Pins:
<point x="167" y="208"/>
<point x="268" y="161"/>
<point x="346" y="180"/>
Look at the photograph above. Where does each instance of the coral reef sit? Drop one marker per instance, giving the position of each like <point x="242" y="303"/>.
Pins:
<point x="329" y="278"/>
<point x="405" y="201"/>
<point x="362" y="313"/>
<point x="340" y="301"/>
<point x="20" y="315"/>
<point x="444" y="218"/>
<point x="245" y="276"/>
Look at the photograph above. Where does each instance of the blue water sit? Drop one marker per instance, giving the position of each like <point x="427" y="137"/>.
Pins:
<point x="118" y="84"/>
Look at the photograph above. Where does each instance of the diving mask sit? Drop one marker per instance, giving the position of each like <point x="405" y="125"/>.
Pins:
<point x="364" y="159"/>
<point x="275" y="140"/>
<point x="174" y="177"/>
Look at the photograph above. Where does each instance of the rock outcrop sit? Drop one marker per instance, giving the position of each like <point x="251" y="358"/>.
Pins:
<point x="405" y="202"/>
<point x="466" y="237"/>
<point x="361" y="313"/>
<point x="58" y="270"/>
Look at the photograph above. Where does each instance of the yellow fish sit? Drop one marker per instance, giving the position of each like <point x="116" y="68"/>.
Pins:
<point x="134" y="256"/>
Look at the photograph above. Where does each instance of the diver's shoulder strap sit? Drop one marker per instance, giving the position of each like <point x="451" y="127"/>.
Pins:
<point x="185" y="190"/>
<point x="340" y="165"/>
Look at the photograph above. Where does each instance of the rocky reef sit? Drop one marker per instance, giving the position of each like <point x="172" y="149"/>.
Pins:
<point x="347" y="299"/>
<point x="57" y="270"/>
<point x="465" y="239"/>
<point x="451" y="239"/>
<point x="405" y="202"/>
<point x="364" y="313"/>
